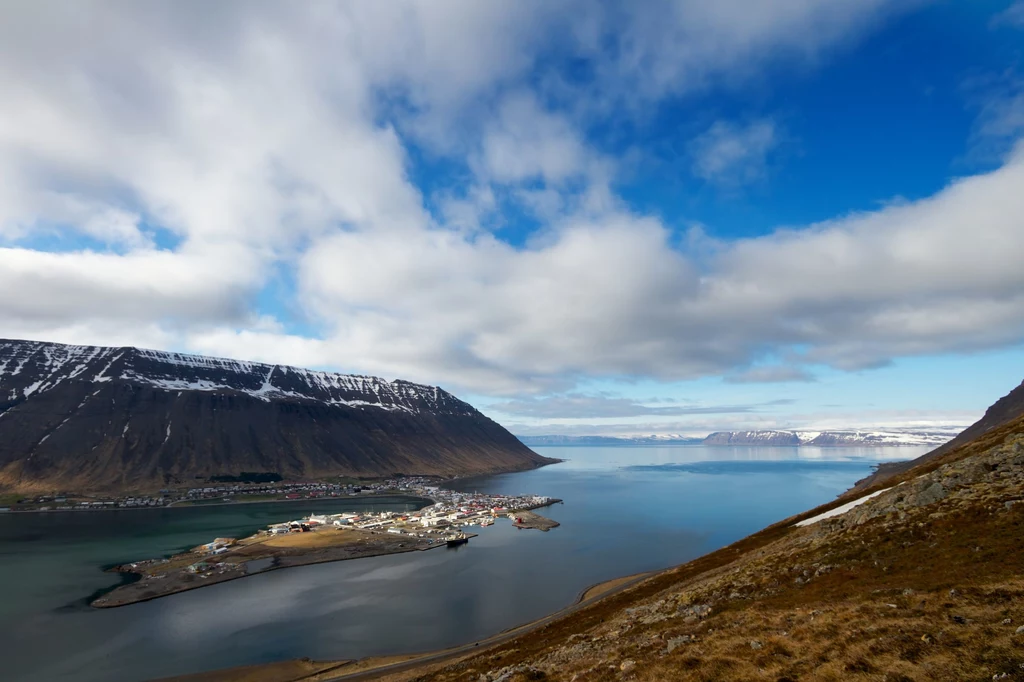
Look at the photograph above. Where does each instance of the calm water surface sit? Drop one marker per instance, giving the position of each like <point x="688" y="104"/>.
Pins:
<point x="626" y="510"/>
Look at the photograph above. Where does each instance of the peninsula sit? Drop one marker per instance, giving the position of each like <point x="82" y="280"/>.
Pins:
<point x="321" y="538"/>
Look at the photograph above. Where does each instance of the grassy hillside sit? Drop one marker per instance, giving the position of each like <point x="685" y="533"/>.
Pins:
<point x="923" y="582"/>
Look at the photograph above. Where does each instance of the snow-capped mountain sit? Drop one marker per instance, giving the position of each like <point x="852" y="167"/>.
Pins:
<point x="888" y="438"/>
<point x="92" y="417"/>
<point x="870" y="438"/>
<point x="29" y="367"/>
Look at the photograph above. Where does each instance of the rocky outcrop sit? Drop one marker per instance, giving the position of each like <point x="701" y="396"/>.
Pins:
<point x="1003" y="411"/>
<point x="89" y="418"/>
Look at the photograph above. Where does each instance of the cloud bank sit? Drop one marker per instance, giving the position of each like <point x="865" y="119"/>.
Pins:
<point x="166" y="170"/>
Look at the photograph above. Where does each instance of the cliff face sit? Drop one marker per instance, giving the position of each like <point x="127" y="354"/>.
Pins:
<point x="89" y="418"/>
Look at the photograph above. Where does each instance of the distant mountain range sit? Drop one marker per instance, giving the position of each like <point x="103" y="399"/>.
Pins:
<point x="92" y="418"/>
<point x="872" y="438"/>
<point x="1005" y="410"/>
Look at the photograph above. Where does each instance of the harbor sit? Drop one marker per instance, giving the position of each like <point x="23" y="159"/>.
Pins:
<point x="321" y="538"/>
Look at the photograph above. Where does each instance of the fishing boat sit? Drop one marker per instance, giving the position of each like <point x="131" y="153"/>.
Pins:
<point x="456" y="540"/>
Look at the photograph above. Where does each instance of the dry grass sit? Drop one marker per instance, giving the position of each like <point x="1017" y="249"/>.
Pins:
<point x="607" y="586"/>
<point x="934" y="593"/>
<point x="313" y="540"/>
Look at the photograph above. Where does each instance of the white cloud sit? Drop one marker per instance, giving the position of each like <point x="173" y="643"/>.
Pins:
<point x="526" y="143"/>
<point x="265" y="136"/>
<point x="1000" y="119"/>
<point x="581" y="406"/>
<point x="769" y="374"/>
<point x="612" y="297"/>
<point x="1011" y="16"/>
<point x="672" y="46"/>
<point x="732" y="155"/>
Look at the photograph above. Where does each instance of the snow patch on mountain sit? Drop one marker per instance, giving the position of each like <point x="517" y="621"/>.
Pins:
<point x="35" y="367"/>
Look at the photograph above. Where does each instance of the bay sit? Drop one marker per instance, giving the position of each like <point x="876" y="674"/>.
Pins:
<point x="626" y="510"/>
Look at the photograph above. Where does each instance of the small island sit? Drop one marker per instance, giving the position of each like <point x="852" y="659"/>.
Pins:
<point x="321" y="538"/>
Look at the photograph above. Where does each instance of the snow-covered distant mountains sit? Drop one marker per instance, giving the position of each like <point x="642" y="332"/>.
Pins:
<point x="833" y="438"/>
<point x="84" y="417"/>
<point x="872" y="438"/>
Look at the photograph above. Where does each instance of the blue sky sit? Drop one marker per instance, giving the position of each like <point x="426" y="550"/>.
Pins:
<point x="611" y="217"/>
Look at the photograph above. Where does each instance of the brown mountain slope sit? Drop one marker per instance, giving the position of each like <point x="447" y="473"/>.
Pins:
<point x="1004" y="410"/>
<point x="924" y="581"/>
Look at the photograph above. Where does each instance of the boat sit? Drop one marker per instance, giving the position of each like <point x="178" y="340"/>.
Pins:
<point x="487" y="522"/>
<point x="456" y="540"/>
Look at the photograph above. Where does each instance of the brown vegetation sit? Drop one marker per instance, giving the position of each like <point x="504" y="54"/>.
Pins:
<point x="920" y="583"/>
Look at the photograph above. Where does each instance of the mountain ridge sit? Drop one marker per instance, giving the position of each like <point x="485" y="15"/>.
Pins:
<point x="111" y="418"/>
<point x="766" y="438"/>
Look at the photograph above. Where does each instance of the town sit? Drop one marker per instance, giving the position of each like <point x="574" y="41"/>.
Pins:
<point x="451" y="510"/>
<point x="324" y="537"/>
<point x="226" y="493"/>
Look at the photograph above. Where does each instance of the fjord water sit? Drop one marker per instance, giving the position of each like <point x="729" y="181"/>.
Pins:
<point x="626" y="510"/>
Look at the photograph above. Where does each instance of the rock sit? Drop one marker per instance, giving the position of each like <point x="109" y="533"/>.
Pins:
<point x="1007" y="621"/>
<point x="1019" y="631"/>
<point x="693" y="612"/>
<point x="755" y="644"/>
<point x="930" y="494"/>
<point x="628" y="666"/>
<point x="677" y="642"/>
<point x="507" y="673"/>
<point x="954" y="592"/>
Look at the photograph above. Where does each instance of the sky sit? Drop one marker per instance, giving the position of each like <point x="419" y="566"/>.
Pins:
<point x="584" y="217"/>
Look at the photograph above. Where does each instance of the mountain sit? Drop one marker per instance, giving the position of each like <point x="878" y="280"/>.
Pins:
<point x="873" y="438"/>
<point x="833" y="439"/>
<point x="1003" y="411"/>
<point x="90" y="418"/>
<point x="609" y="440"/>
<point x="916" y="578"/>
<point x="767" y="438"/>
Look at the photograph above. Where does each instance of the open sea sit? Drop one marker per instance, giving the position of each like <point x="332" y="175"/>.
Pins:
<point x="626" y="510"/>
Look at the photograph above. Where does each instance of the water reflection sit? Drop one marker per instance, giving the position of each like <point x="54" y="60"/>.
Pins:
<point x="627" y="510"/>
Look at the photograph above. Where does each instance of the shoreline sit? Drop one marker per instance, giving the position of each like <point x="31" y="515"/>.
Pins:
<point x="372" y="667"/>
<point x="280" y="557"/>
<point x="269" y="569"/>
<point x="178" y="504"/>
<point x="213" y="504"/>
